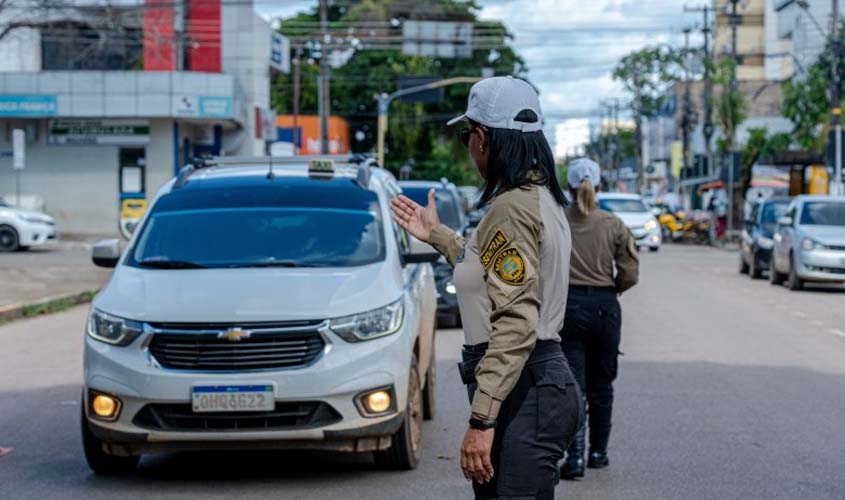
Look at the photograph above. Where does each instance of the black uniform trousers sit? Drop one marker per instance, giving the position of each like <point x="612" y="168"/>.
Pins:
<point x="590" y="340"/>
<point x="536" y="423"/>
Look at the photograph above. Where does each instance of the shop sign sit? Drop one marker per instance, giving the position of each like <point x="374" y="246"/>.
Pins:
<point x="33" y="105"/>
<point x="99" y="132"/>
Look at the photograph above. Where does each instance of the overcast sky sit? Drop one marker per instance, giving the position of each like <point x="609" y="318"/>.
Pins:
<point x="570" y="48"/>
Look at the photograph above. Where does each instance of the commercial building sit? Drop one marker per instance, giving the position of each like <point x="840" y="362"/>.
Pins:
<point x="115" y="98"/>
<point x="797" y="26"/>
<point x="750" y="36"/>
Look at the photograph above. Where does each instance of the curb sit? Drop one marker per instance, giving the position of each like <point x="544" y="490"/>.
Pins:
<point x="47" y="305"/>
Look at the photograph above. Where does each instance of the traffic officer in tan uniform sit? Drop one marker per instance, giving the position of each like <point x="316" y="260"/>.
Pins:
<point x="511" y="278"/>
<point x="591" y="332"/>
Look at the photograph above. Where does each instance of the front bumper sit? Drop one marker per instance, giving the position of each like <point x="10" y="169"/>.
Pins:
<point x="343" y="372"/>
<point x="821" y="265"/>
<point x="35" y="234"/>
<point x="649" y="239"/>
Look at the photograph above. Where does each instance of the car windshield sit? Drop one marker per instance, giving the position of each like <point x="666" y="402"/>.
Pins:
<point x="251" y="228"/>
<point x="622" y="205"/>
<point x="771" y="213"/>
<point x="818" y="213"/>
<point x="447" y="206"/>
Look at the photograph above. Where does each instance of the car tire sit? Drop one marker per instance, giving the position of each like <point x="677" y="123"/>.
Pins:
<point x="653" y="249"/>
<point x="743" y="266"/>
<point x="775" y="277"/>
<point x="753" y="269"/>
<point x="794" y="283"/>
<point x="404" y="451"/>
<point x="98" y="460"/>
<point x="430" y="389"/>
<point x="9" y="239"/>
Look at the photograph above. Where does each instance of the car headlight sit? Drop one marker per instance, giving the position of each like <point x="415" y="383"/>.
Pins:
<point x="370" y="325"/>
<point x="650" y="225"/>
<point x="765" y="243"/>
<point x="811" y="244"/>
<point x="111" y="329"/>
<point x="450" y="288"/>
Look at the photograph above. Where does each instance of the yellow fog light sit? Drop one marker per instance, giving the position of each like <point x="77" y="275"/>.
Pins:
<point x="377" y="402"/>
<point x="105" y="406"/>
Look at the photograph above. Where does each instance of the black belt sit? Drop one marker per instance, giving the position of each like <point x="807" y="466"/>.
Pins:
<point x="592" y="290"/>
<point x="472" y="354"/>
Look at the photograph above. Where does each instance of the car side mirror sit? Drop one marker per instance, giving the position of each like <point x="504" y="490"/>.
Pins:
<point x="106" y="253"/>
<point x="785" y="221"/>
<point x="420" y="253"/>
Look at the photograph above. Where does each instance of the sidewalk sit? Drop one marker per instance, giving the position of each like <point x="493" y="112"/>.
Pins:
<point x="57" y="269"/>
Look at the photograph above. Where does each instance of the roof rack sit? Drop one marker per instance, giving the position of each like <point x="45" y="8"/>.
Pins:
<point x="363" y="162"/>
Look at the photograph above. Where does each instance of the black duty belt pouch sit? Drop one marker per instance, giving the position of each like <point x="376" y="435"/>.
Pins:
<point x="471" y="356"/>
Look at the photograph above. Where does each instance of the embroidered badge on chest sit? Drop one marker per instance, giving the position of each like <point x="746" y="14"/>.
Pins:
<point x="498" y="242"/>
<point x="510" y="267"/>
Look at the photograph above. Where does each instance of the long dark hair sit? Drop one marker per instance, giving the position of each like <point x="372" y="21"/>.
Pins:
<point x="513" y="156"/>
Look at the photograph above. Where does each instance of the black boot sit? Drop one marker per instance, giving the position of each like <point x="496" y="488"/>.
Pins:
<point x="598" y="459"/>
<point x="573" y="466"/>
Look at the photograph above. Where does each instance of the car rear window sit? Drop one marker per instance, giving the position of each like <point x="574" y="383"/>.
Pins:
<point x="274" y="226"/>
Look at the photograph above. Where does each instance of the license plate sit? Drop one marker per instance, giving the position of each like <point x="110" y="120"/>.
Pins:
<point x="223" y="398"/>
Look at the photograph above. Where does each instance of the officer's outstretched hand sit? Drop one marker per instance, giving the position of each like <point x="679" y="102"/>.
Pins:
<point x="416" y="219"/>
<point x="475" y="455"/>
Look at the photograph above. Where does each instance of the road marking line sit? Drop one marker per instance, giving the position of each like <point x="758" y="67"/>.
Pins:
<point x="816" y="322"/>
<point x="799" y="314"/>
<point x="838" y="333"/>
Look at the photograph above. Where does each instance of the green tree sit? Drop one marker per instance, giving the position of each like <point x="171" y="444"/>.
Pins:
<point x="806" y="102"/>
<point x="416" y="131"/>
<point x="647" y="74"/>
<point x="760" y="145"/>
<point x="731" y="106"/>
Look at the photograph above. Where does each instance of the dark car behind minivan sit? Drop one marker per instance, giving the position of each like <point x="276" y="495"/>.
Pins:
<point x="757" y="235"/>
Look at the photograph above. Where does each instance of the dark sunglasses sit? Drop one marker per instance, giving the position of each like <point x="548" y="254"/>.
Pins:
<point x="466" y="132"/>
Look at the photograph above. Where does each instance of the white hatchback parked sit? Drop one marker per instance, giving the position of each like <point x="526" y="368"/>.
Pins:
<point x="259" y="307"/>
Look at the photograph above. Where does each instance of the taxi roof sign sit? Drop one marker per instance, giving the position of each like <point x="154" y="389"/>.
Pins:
<point x="321" y="166"/>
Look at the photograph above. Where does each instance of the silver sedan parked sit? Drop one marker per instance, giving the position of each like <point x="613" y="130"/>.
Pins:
<point x="809" y="243"/>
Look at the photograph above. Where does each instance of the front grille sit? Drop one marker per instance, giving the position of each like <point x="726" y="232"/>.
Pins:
<point x="269" y="346"/>
<point x="285" y="416"/>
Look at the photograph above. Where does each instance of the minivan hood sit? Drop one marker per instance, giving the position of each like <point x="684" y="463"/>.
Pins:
<point x="634" y="219"/>
<point x="826" y="235"/>
<point x="248" y="294"/>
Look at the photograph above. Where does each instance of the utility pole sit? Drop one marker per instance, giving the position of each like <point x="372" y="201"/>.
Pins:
<point x="324" y="99"/>
<point x="685" y="121"/>
<point x="836" y="97"/>
<point x="708" y="84"/>
<point x="297" y="73"/>
<point x="732" y="160"/>
<point x="616" y="143"/>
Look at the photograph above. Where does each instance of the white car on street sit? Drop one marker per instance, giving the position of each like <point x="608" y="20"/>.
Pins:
<point x="262" y="308"/>
<point x="21" y="229"/>
<point x="636" y="215"/>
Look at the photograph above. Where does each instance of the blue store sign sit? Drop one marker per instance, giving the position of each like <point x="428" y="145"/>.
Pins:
<point x="33" y="105"/>
<point x="215" y="107"/>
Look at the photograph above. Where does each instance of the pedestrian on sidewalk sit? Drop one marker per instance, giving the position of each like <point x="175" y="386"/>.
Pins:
<point x="604" y="264"/>
<point x="511" y="277"/>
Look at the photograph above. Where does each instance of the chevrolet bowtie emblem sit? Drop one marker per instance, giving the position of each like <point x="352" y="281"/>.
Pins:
<point x="233" y="335"/>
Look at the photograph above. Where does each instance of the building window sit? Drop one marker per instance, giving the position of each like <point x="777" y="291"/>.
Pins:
<point x="74" y="45"/>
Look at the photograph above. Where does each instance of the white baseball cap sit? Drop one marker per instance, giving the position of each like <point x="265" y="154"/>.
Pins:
<point x="581" y="169"/>
<point x="495" y="102"/>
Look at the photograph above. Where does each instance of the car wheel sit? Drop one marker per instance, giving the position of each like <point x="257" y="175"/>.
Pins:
<point x="430" y="389"/>
<point x="653" y="249"/>
<point x="98" y="460"/>
<point x="9" y="239"/>
<point x="794" y="283"/>
<point x="404" y="451"/>
<point x="753" y="269"/>
<point x="775" y="277"/>
<point x="743" y="266"/>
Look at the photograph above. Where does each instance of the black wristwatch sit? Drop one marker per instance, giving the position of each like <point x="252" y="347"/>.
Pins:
<point x="481" y="424"/>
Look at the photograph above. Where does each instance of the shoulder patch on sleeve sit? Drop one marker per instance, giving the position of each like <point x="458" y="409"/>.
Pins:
<point x="498" y="242"/>
<point x="510" y="267"/>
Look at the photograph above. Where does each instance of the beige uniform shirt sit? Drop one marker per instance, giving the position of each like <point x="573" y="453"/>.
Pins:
<point x="512" y="279"/>
<point x="599" y="241"/>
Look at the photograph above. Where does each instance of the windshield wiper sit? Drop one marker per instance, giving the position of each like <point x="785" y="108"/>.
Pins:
<point x="170" y="264"/>
<point x="276" y="263"/>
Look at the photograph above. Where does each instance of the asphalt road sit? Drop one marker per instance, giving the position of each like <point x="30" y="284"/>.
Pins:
<point x="729" y="389"/>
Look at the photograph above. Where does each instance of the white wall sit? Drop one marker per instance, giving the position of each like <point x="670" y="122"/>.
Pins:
<point x="20" y="50"/>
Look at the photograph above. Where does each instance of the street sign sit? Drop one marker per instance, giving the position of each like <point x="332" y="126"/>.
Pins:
<point x="18" y="149"/>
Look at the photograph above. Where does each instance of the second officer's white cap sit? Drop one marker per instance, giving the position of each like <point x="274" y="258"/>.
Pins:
<point x="495" y="102"/>
<point x="582" y="169"/>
